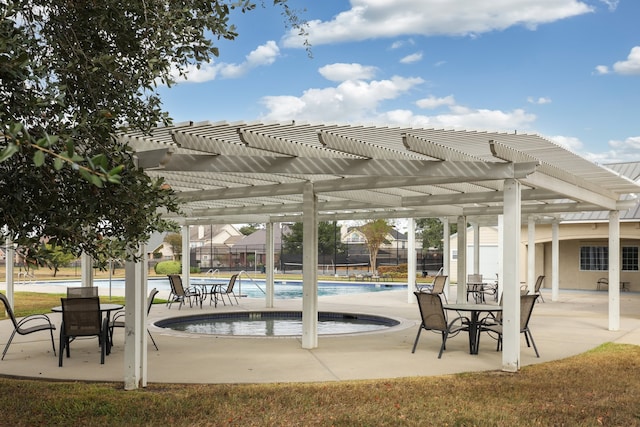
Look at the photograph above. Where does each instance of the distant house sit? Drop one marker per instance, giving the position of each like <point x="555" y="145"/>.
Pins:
<point x="209" y="244"/>
<point x="583" y="246"/>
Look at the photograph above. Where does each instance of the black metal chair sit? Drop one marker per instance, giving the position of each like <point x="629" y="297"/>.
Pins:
<point x="527" y="303"/>
<point x="82" y="292"/>
<point x="20" y="327"/>
<point x="179" y="293"/>
<point x="118" y="318"/>
<point x="221" y="291"/>
<point x="81" y="317"/>
<point x="436" y="287"/>
<point x="435" y="319"/>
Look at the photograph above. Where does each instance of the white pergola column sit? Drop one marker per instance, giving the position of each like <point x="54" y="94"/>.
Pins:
<point x="446" y="247"/>
<point x="309" y="267"/>
<point x="269" y="264"/>
<point x="500" y="254"/>
<point x="8" y="274"/>
<point x="555" y="261"/>
<point x="135" y="331"/>
<point x="461" y="295"/>
<point x="86" y="270"/>
<point x="531" y="253"/>
<point x="186" y="254"/>
<point x="476" y="248"/>
<point x="614" y="270"/>
<point x="511" y="287"/>
<point x="411" y="260"/>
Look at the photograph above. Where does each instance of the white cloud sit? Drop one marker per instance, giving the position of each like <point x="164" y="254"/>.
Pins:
<point x="602" y="69"/>
<point x="463" y="118"/>
<point x="350" y="101"/>
<point x="619" y="151"/>
<point x="341" y="72"/>
<point x="400" y="43"/>
<point x="432" y="102"/>
<point x="367" y="19"/>
<point x="265" y="54"/>
<point x="541" y="100"/>
<point x="611" y="4"/>
<point x="410" y="59"/>
<point x="631" y="65"/>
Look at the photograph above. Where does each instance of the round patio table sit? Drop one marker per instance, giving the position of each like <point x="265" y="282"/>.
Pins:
<point x="474" y="322"/>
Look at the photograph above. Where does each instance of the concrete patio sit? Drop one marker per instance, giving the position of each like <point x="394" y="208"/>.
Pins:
<point x="574" y="324"/>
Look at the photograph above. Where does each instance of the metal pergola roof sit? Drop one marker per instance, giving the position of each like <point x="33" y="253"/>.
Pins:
<point x="255" y="172"/>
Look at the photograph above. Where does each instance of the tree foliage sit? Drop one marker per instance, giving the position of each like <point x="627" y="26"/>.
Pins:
<point x="174" y="240"/>
<point x="432" y="232"/>
<point x="328" y="239"/>
<point x="375" y="233"/>
<point x="72" y="75"/>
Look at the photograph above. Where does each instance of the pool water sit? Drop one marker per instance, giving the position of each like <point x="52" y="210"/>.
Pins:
<point x="248" y="288"/>
<point x="277" y="323"/>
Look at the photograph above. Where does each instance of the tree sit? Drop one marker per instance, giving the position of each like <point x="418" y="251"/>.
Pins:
<point x="249" y="229"/>
<point x="375" y="233"/>
<point x="73" y="75"/>
<point x="433" y="232"/>
<point x="59" y="258"/>
<point x="174" y="240"/>
<point x="327" y="243"/>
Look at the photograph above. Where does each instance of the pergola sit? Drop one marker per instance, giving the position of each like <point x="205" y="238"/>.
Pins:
<point x="276" y="172"/>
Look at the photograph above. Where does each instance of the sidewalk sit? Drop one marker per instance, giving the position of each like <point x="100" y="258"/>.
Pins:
<point x="574" y="324"/>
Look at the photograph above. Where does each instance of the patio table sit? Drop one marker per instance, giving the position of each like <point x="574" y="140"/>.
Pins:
<point x="474" y="322"/>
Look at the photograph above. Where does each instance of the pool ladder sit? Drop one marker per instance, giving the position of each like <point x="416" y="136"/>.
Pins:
<point x="245" y="274"/>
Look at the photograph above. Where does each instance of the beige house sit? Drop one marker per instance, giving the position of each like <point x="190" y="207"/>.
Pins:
<point x="583" y="246"/>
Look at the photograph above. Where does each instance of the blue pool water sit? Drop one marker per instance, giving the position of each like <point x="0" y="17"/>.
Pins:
<point x="248" y="288"/>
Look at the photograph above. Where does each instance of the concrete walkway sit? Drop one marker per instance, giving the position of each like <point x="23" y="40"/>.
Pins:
<point x="574" y="324"/>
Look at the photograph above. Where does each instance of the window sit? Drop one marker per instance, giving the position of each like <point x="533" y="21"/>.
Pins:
<point x="629" y="258"/>
<point x="594" y="258"/>
<point x="454" y="254"/>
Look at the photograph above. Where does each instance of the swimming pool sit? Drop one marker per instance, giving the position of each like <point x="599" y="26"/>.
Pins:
<point x="283" y="289"/>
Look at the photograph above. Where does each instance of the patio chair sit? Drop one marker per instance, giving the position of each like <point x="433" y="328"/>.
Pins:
<point x="437" y="287"/>
<point x="602" y="282"/>
<point x="221" y="291"/>
<point x="527" y="303"/>
<point x="81" y="317"/>
<point x="179" y="293"/>
<point x="435" y="319"/>
<point x="475" y="287"/>
<point x="21" y="328"/>
<point x="118" y="318"/>
<point x="82" y="292"/>
<point x="536" y="289"/>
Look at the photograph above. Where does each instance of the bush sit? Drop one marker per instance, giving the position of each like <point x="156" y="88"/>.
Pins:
<point x="168" y="267"/>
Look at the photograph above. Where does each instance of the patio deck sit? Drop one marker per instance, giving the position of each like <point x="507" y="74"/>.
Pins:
<point x="574" y="324"/>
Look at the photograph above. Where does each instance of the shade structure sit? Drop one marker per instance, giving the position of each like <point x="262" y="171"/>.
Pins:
<point x="281" y="172"/>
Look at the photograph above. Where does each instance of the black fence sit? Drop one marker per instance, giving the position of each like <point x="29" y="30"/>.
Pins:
<point x="353" y="257"/>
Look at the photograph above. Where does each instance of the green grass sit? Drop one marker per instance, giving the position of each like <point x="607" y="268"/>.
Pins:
<point x="598" y="388"/>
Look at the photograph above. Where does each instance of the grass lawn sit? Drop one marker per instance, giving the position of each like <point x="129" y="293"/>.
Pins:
<point x="598" y="388"/>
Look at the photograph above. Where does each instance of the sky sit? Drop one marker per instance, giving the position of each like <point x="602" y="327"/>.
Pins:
<point x="567" y="70"/>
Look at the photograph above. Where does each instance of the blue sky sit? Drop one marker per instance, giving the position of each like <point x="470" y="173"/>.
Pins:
<point x="568" y="70"/>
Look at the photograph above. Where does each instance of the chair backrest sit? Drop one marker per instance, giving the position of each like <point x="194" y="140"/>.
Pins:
<point x="526" y="308"/>
<point x="81" y="316"/>
<point x="439" y="283"/>
<point x="431" y="311"/>
<point x="539" y="281"/>
<point x="82" y="292"/>
<point x="9" y="311"/>
<point x="474" y="278"/>
<point x="176" y="284"/>
<point x="150" y="298"/>
<point x="232" y="281"/>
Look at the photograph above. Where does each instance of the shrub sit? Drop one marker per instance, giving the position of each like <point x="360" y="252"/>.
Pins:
<point x="168" y="267"/>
